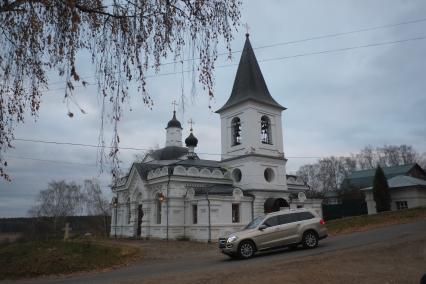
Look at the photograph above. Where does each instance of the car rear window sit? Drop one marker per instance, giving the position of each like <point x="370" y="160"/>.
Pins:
<point x="303" y="216"/>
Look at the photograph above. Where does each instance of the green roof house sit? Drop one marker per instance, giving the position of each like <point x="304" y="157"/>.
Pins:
<point x="364" y="178"/>
<point x="407" y="186"/>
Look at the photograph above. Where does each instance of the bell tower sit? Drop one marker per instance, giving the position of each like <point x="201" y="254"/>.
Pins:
<point x="251" y="129"/>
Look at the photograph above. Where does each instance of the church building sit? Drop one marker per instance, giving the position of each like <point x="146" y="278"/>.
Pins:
<point x="173" y="194"/>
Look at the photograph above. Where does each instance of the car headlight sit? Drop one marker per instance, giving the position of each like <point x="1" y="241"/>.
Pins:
<point x="232" y="239"/>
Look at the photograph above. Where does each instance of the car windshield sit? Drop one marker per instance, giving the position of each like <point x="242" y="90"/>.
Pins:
<point x="253" y="224"/>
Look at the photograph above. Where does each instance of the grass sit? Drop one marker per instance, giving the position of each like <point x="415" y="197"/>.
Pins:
<point x="367" y="222"/>
<point x="32" y="259"/>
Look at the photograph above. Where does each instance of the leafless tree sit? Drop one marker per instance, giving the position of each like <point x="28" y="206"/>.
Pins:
<point x="329" y="173"/>
<point x="386" y="156"/>
<point x="366" y="158"/>
<point x="96" y="202"/>
<point x="58" y="200"/>
<point x="309" y="174"/>
<point x="125" y="40"/>
<point x="408" y="155"/>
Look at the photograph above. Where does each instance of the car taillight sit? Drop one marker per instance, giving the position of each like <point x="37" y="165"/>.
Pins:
<point x="322" y="222"/>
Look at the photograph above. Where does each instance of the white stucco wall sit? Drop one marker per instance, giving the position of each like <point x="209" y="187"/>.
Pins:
<point x="173" y="136"/>
<point x="415" y="197"/>
<point x="250" y="114"/>
<point x="252" y="172"/>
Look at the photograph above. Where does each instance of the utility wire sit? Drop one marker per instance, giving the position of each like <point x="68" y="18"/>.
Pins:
<point x="137" y="149"/>
<point x="49" y="161"/>
<point x="285" y="57"/>
<point x="387" y="26"/>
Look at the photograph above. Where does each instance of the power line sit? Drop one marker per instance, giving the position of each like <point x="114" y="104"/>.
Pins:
<point x="138" y="149"/>
<point x="49" y="161"/>
<point x="287" y="57"/>
<point x="331" y="35"/>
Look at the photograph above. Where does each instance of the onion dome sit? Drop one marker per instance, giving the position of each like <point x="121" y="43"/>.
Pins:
<point x="174" y="122"/>
<point x="191" y="140"/>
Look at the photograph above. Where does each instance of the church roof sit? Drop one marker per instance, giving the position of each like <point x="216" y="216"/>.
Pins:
<point x="169" y="153"/>
<point x="144" y="168"/>
<point x="249" y="83"/>
<point x="218" y="189"/>
<point x="200" y="163"/>
<point x="174" y="122"/>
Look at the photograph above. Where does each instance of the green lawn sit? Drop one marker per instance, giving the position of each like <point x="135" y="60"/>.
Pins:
<point x="58" y="257"/>
<point x="366" y="222"/>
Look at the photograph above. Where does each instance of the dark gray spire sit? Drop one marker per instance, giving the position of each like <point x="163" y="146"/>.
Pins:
<point x="249" y="83"/>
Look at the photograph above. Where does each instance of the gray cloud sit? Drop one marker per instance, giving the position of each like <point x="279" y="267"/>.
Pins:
<point x="337" y="103"/>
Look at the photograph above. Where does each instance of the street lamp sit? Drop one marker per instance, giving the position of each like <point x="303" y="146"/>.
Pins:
<point x="161" y="197"/>
<point x="114" y="204"/>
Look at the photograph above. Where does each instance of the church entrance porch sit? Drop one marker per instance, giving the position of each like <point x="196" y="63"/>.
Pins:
<point x="274" y="204"/>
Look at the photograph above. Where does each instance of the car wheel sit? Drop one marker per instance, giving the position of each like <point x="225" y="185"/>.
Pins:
<point x="310" y="239"/>
<point x="246" y="249"/>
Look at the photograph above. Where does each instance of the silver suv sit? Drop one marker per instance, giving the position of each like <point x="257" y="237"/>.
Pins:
<point x="273" y="230"/>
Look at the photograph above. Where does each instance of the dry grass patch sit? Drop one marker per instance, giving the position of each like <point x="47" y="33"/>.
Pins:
<point x="37" y="258"/>
<point x="367" y="222"/>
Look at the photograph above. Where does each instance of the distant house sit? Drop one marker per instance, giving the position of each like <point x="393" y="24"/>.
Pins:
<point x="407" y="184"/>
<point x="364" y="178"/>
<point x="406" y="192"/>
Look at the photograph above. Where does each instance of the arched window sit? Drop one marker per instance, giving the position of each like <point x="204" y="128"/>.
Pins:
<point x="129" y="212"/>
<point x="237" y="175"/>
<point x="236" y="131"/>
<point x="265" y="130"/>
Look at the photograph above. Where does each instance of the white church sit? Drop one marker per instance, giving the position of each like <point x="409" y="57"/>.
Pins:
<point x="173" y="194"/>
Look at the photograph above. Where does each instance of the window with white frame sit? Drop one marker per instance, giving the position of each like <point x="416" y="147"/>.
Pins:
<point x="158" y="211"/>
<point x="129" y="212"/>
<point x="194" y="214"/>
<point x="401" y="205"/>
<point x="235" y="213"/>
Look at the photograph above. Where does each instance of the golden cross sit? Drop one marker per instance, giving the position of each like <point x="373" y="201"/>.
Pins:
<point x="191" y="122"/>
<point x="247" y="28"/>
<point x="174" y="105"/>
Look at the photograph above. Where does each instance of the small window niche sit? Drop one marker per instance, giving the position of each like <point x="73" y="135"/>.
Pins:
<point x="236" y="175"/>
<point x="269" y="174"/>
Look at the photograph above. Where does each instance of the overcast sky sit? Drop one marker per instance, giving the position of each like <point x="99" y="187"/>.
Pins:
<point x="337" y="102"/>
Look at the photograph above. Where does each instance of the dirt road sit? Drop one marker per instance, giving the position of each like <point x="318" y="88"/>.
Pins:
<point x="394" y="254"/>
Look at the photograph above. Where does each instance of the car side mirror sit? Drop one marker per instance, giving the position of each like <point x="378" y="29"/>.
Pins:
<point x="262" y="227"/>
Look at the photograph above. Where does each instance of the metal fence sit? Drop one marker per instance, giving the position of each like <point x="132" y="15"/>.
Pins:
<point x="345" y="209"/>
